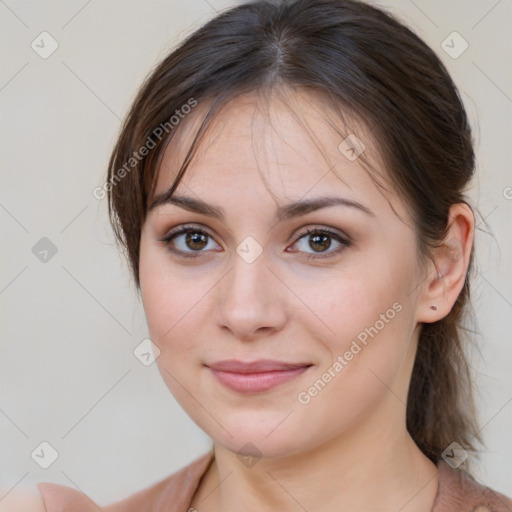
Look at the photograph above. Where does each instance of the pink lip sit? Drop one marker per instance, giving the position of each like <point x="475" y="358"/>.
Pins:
<point x="255" y="376"/>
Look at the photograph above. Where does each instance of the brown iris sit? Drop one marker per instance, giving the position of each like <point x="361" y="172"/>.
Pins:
<point x="196" y="241"/>
<point x="319" y="243"/>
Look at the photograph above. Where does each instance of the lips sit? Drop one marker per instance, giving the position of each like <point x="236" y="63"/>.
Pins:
<point x="255" y="376"/>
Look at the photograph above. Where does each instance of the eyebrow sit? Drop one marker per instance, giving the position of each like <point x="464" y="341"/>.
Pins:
<point x="284" y="212"/>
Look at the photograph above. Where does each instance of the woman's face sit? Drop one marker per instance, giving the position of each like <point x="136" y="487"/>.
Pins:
<point x="320" y="299"/>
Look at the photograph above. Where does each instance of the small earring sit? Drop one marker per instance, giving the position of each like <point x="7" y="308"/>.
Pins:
<point x="434" y="307"/>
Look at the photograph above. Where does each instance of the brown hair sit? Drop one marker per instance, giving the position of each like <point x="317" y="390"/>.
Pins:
<point x="368" y="63"/>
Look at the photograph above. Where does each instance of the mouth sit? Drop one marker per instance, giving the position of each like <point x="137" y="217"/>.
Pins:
<point x="255" y="376"/>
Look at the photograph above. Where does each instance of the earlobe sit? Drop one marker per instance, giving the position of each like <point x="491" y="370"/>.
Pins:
<point x="449" y="266"/>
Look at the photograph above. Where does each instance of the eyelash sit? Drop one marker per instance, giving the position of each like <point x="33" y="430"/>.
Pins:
<point x="310" y="256"/>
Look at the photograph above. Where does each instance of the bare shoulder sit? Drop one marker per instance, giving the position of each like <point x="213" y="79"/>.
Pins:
<point x="21" y="500"/>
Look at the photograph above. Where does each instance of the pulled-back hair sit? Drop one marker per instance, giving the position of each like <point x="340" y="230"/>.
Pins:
<point x="374" y="68"/>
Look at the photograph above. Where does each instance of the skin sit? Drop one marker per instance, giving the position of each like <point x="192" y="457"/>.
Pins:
<point x="287" y="307"/>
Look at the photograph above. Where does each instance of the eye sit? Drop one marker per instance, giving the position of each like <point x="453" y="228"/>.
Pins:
<point x="320" y="243"/>
<point x="189" y="241"/>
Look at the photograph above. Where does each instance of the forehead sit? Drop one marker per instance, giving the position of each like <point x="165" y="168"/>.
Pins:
<point x="288" y="144"/>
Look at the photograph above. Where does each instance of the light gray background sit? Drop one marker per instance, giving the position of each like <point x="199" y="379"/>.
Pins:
<point x="69" y="326"/>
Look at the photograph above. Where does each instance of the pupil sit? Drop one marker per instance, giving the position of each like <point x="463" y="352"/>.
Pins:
<point x="196" y="241"/>
<point x="323" y="241"/>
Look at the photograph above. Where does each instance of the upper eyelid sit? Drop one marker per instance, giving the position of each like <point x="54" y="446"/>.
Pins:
<point x="311" y="230"/>
<point x="297" y="232"/>
<point x="183" y="228"/>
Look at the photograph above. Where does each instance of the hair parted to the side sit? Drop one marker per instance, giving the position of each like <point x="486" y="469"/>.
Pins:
<point x="371" y="66"/>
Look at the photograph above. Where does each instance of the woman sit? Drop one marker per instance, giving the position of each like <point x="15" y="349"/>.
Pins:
<point x="289" y="188"/>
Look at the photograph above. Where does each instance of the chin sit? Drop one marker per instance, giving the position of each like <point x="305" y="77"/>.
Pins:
<point x="248" y="446"/>
<point x="256" y="435"/>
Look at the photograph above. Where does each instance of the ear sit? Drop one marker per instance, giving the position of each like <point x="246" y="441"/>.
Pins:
<point x="447" y="272"/>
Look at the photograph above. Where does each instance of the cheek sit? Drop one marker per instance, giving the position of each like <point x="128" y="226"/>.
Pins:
<point x="345" y="303"/>
<point x="171" y="297"/>
<point x="175" y="316"/>
<point x="367" y="323"/>
<point x="366" y="356"/>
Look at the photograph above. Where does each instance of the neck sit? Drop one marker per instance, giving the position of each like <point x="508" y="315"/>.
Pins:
<point x="374" y="467"/>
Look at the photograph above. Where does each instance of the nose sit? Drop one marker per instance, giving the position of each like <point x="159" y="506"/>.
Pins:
<point x="251" y="301"/>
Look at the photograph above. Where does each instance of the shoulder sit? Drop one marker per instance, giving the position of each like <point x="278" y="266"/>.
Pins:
<point x="177" y="488"/>
<point x="460" y="491"/>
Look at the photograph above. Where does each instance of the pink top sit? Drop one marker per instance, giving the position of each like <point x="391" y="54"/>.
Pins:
<point x="457" y="492"/>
